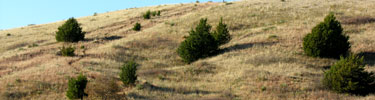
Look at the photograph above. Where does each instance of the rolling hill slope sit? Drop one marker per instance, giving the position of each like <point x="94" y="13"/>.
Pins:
<point x="264" y="60"/>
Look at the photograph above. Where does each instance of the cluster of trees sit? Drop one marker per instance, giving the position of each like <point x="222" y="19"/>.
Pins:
<point x="326" y="40"/>
<point x="149" y="13"/>
<point x="202" y="42"/>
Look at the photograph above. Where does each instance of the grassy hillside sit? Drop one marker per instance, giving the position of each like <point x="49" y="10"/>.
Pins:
<point x="263" y="61"/>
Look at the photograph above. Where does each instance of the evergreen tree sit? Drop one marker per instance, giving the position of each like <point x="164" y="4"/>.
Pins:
<point x="76" y="87"/>
<point x="326" y="39"/>
<point x="199" y="44"/>
<point x="158" y="13"/>
<point x="137" y="27"/>
<point x="348" y="76"/>
<point x="147" y="15"/>
<point x="221" y="34"/>
<point x="70" y="31"/>
<point x="128" y="73"/>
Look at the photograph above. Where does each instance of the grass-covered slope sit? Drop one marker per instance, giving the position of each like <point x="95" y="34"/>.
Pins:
<point x="264" y="60"/>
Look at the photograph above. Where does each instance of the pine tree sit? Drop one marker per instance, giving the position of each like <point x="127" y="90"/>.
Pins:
<point x="137" y="27"/>
<point x="199" y="44"/>
<point x="348" y="76"/>
<point x="128" y="73"/>
<point x="70" y="31"/>
<point x="147" y="15"/>
<point x="221" y="34"/>
<point x="76" y="87"/>
<point x="326" y="40"/>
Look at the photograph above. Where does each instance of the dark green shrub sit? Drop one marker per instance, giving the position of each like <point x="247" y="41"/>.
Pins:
<point x="348" y="76"/>
<point x="221" y="34"/>
<point x="76" y="87"/>
<point x="128" y="73"/>
<point x="137" y="27"/>
<point x="70" y="32"/>
<point x="69" y="51"/>
<point x="199" y="44"/>
<point x="147" y="15"/>
<point x="158" y="13"/>
<point x="326" y="40"/>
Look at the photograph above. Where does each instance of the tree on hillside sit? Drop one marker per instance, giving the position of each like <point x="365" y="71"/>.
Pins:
<point x="199" y="44"/>
<point x="76" y="87"/>
<point x="70" y="31"/>
<point x="221" y="34"/>
<point x="349" y="76"/>
<point x="326" y="39"/>
<point x="128" y="73"/>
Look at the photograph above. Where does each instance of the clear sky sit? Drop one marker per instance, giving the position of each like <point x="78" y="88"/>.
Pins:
<point x="18" y="13"/>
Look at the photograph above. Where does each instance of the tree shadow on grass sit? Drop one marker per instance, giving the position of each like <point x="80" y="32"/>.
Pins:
<point x="137" y="96"/>
<point x="245" y="46"/>
<point x="369" y="57"/>
<point x="175" y="90"/>
<point x="112" y="38"/>
<point x="357" y="20"/>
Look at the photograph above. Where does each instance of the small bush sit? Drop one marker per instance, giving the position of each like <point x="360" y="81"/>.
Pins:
<point x="147" y="15"/>
<point x="70" y="32"/>
<point x="158" y="13"/>
<point x="154" y="13"/>
<point x="76" y="87"/>
<point x="137" y="27"/>
<point x="8" y="34"/>
<point x="128" y="73"/>
<point x="33" y="45"/>
<point x="228" y="3"/>
<point x="221" y="34"/>
<point x="69" y="51"/>
<point x="326" y="39"/>
<point x="348" y="76"/>
<point x="199" y="44"/>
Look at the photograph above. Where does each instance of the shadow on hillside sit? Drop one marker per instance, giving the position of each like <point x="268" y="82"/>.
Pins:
<point x="175" y="90"/>
<point x="104" y="38"/>
<point x="245" y="46"/>
<point x="137" y="96"/>
<point x="356" y="20"/>
<point x="112" y="38"/>
<point x="369" y="57"/>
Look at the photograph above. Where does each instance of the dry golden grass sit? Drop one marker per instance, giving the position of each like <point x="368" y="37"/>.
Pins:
<point x="264" y="61"/>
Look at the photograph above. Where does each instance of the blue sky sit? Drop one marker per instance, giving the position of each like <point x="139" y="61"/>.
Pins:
<point x="18" y="13"/>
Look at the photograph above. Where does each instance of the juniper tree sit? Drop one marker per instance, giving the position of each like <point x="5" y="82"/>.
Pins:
<point x="70" y="31"/>
<point x="199" y="44"/>
<point x="326" y="39"/>
<point x="128" y="73"/>
<point x="76" y="87"/>
<point x="349" y="76"/>
<point x="221" y="34"/>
